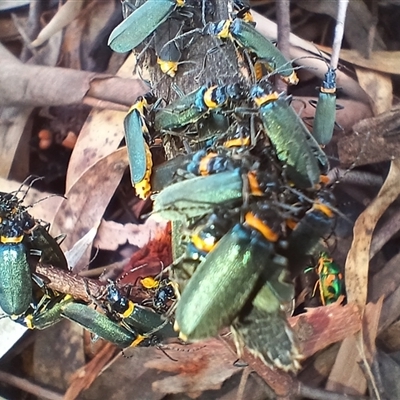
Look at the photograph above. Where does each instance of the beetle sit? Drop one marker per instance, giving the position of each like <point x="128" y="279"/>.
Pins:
<point x="190" y="108"/>
<point x="330" y="279"/>
<point x="137" y="137"/>
<point x="40" y="242"/>
<point x="168" y="56"/>
<point x="205" y="237"/>
<point x="240" y="9"/>
<point x="135" y="316"/>
<point x="324" y="120"/>
<point x="133" y="30"/>
<point x="316" y="224"/>
<point x="262" y="326"/>
<point x="225" y="279"/>
<point x="165" y="174"/>
<point x="245" y="35"/>
<point x="47" y="312"/>
<point x="207" y="163"/>
<point x="196" y="197"/>
<point x="293" y="143"/>
<point x="22" y="236"/>
<point x="101" y="325"/>
<point x="15" y="272"/>
<point x="164" y="293"/>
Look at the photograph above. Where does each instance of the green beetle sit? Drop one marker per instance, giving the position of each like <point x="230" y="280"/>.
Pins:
<point x="224" y="281"/>
<point x="132" y="31"/>
<point x="330" y="279"/>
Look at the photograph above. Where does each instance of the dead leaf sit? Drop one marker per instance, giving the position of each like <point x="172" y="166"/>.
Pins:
<point x="379" y="87"/>
<point x="319" y="327"/>
<point x="283" y="384"/>
<point x="66" y="14"/>
<point x="101" y="134"/>
<point x="13" y="4"/>
<point x="65" y="340"/>
<point x="373" y="140"/>
<point x="33" y="85"/>
<point x="381" y="61"/>
<point x="82" y="32"/>
<point x="87" y="200"/>
<point x="197" y="368"/>
<point x="346" y="375"/>
<point x="357" y="262"/>
<point x="389" y="372"/>
<point x="13" y="120"/>
<point x="75" y="254"/>
<point x="386" y="281"/>
<point x="391" y="337"/>
<point x="357" y="25"/>
<point x="111" y="234"/>
<point x="84" y="376"/>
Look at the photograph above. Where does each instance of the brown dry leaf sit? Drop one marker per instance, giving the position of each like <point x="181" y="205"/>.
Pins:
<point x="357" y="24"/>
<point x="13" y="120"/>
<point x="346" y="375"/>
<point x="370" y="329"/>
<point x="381" y="61"/>
<point x="111" y="234"/>
<point x="84" y="376"/>
<point x="65" y="341"/>
<point x="390" y="310"/>
<point x="283" y="384"/>
<point x="66" y="14"/>
<point x="82" y="32"/>
<point x="304" y="53"/>
<point x="318" y="368"/>
<point x="77" y="251"/>
<point x="357" y="262"/>
<point x="34" y="85"/>
<point x="101" y="134"/>
<point x="379" y="87"/>
<point x="319" y="327"/>
<point x="373" y="140"/>
<point x="87" y="200"/>
<point x="391" y="337"/>
<point x="386" y="281"/>
<point x="197" y="369"/>
<point x="8" y="29"/>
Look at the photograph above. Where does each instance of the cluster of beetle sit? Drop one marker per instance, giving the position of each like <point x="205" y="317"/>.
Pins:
<point x="247" y="209"/>
<point x="250" y="207"/>
<point x="25" y="298"/>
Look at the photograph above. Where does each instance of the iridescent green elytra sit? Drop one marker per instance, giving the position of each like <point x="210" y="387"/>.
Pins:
<point x="15" y="279"/>
<point x="294" y="145"/>
<point x="324" y="120"/>
<point x="141" y="24"/>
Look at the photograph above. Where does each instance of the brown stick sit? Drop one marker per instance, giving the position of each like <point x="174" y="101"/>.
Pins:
<point x="82" y="288"/>
<point x="33" y="85"/>
<point x="29" y="387"/>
